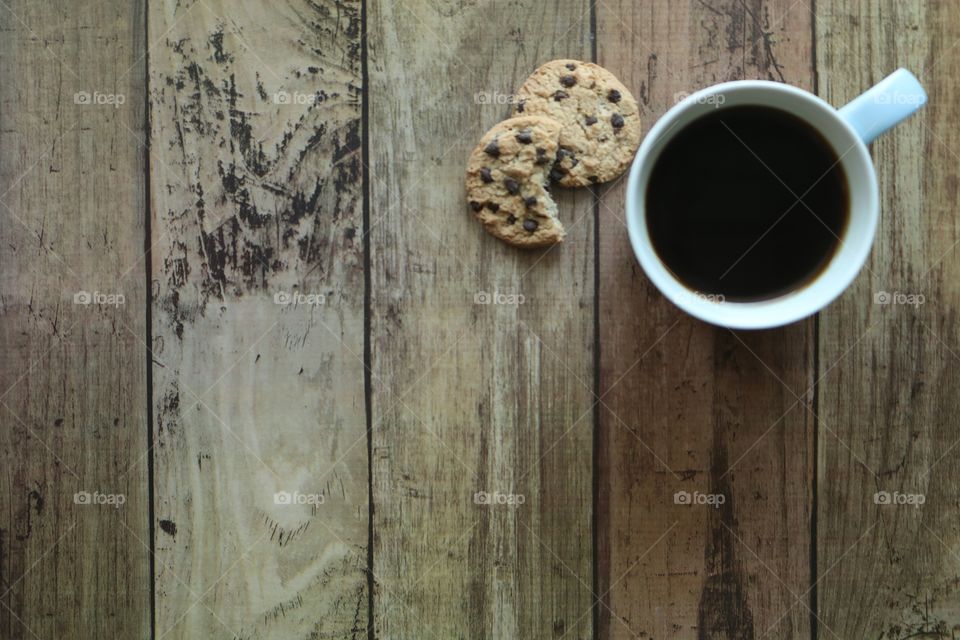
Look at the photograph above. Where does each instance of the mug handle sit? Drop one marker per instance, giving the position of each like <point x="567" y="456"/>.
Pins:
<point x="893" y="99"/>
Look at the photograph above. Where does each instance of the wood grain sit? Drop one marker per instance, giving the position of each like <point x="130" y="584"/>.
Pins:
<point x="256" y="180"/>
<point x="688" y="407"/>
<point x="471" y="397"/>
<point x="73" y="391"/>
<point x="890" y="393"/>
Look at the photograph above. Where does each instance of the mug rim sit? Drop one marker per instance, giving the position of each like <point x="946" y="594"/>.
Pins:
<point x="761" y="314"/>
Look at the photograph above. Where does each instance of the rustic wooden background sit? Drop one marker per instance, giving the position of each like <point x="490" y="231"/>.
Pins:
<point x="173" y="171"/>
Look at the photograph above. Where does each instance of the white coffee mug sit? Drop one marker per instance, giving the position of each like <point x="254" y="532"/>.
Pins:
<point x="848" y="130"/>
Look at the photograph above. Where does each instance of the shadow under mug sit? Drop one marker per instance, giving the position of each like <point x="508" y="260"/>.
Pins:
<point x="848" y="130"/>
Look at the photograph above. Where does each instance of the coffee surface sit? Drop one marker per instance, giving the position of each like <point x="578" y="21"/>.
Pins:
<point x="747" y="202"/>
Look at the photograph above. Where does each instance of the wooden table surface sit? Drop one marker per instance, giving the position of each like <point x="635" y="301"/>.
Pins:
<point x="250" y="387"/>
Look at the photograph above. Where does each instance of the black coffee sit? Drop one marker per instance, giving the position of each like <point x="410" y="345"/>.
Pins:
<point x="747" y="202"/>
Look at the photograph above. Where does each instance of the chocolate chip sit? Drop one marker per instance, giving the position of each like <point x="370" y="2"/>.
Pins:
<point x="613" y="96"/>
<point x="617" y="121"/>
<point x="530" y="225"/>
<point x="492" y="149"/>
<point x="541" y="156"/>
<point x="590" y="120"/>
<point x="476" y="206"/>
<point x="560" y="95"/>
<point x="520" y="106"/>
<point x="511" y="219"/>
<point x="524" y="136"/>
<point x="556" y="174"/>
<point x="512" y="186"/>
<point x="530" y="201"/>
<point x="571" y="66"/>
<point x="563" y="153"/>
<point x="568" y="81"/>
<point x="493" y="206"/>
<point x="566" y="163"/>
<point x="593" y="179"/>
<point x="485" y="175"/>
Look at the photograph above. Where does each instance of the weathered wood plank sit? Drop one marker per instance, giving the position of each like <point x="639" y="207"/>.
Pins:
<point x="471" y="397"/>
<point x="73" y="390"/>
<point x="692" y="408"/>
<point x="257" y="197"/>
<point x="890" y="394"/>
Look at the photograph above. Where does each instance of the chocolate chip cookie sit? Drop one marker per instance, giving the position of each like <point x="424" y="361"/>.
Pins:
<point x="507" y="181"/>
<point x="600" y="118"/>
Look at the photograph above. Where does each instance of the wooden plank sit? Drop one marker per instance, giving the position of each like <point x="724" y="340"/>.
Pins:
<point x="73" y="390"/>
<point x="257" y="197"/>
<point x="692" y="408"/>
<point x="890" y="394"/>
<point x="471" y="397"/>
